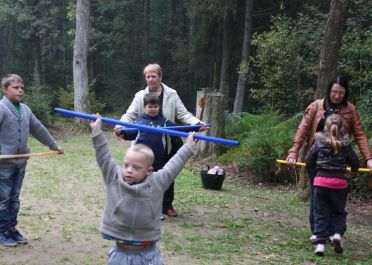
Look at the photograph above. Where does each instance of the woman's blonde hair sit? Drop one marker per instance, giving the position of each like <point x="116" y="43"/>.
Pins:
<point x="335" y="126"/>
<point x="153" y="68"/>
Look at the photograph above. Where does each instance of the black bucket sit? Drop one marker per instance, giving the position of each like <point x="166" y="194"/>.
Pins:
<point x="212" y="181"/>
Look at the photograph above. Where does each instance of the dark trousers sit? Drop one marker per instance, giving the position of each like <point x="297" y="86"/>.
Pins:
<point x="168" y="198"/>
<point x="329" y="211"/>
<point x="312" y="173"/>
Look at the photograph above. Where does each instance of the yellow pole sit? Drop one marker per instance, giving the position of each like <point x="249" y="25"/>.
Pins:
<point x="28" y="155"/>
<point x="300" y="164"/>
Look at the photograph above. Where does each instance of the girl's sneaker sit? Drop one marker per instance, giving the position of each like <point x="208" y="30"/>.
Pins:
<point x="312" y="239"/>
<point x="319" y="250"/>
<point x="337" y="243"/>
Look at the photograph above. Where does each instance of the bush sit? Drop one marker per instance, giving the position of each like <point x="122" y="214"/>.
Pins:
<point x="40" y="100"/>
<point x="66" y="100"/>
<point x="264" y="138"/>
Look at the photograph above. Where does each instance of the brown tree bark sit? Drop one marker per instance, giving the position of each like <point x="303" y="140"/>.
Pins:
<point x="80" y="66"/>
<point x="241" y="87"/>
<point x="331" y="45"/>
<point x="224" y="87"/>
<point x="212" y="114"/>
<point x="146" y="29"/>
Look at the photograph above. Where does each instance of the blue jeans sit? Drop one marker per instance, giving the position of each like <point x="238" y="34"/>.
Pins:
<point x="11" y="180"/>
<point x="148" y="256"/>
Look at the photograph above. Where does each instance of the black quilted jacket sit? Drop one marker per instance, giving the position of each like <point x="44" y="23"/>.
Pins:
<point x="328" y="164"/>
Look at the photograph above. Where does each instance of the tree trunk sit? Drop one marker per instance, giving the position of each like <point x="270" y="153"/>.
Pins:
<point x="80" y="68"/>
<point x="331" y="45"/>
<point x="3" y="47"/>
<point x="146" y="30"/>
<point x="213" y="114"/>
<point x="241" y="87"/>
<point x="36" y="71"/>
<point x="224" y="87"/>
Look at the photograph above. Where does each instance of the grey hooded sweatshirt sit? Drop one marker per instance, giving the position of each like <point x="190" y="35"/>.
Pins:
<point x="132" y="212"/>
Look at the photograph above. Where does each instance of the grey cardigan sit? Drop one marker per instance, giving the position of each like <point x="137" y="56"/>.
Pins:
<point x="15" y="130"/>
<point x="132" y="212"/>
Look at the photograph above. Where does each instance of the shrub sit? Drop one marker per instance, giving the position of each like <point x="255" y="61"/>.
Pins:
<point x="264" y="138"/>
<point x="66" y="100"/>
<point x="40" y="100"/>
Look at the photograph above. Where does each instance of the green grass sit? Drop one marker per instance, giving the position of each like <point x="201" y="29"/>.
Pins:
<point x="63" y="198"/>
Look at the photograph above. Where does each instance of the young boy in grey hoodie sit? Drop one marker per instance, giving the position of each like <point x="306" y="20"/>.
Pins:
<point x="134" y="198"/>
<point x="17" y="122"/>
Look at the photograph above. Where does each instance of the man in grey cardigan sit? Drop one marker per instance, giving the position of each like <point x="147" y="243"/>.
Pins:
<point x="134" y="198"/>
<point x="17" y="122"/>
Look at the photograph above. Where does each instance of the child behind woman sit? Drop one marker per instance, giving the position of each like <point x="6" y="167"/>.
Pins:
<point x="330" y="154"/>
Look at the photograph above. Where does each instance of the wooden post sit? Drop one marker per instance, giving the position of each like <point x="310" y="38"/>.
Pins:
<point x="200" y="102"/>
<point x="213" y="114"/>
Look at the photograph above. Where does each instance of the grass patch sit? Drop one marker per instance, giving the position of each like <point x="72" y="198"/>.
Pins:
<point x="63" y="198"/>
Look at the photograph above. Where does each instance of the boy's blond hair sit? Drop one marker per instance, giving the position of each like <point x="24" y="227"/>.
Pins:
<point x="153" y="68"/>
<point x="145" y="150"/>
<point x="10" y="78"/>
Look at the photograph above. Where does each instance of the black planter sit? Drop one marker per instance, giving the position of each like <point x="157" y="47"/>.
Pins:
<point x="212" y="181"/>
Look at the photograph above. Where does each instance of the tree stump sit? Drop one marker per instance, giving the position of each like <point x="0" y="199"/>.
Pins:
<point x="212" y="112"/>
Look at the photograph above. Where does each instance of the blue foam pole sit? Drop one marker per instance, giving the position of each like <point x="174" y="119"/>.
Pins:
<point x="176" y="128"/>
<point x="145" y="128"/>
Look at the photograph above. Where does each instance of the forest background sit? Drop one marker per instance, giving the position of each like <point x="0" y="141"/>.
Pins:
<point x="199" y="44"/>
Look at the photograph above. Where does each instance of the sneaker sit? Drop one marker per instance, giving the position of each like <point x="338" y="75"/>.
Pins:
<point x="337" y="243"/>
<point x="319" y="250"/>
<point x="171" y="212"/>
<point x="17" y="236"/>
<point x="7" y="240"/>
<point x="330" y="240"/>
<point x="312" y="239"/>
<point x="161" y="217"/>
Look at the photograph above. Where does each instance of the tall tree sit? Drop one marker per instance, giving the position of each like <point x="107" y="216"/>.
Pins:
<point x="146" y="31"/>
<point x="241" y="87"/>
<point x="80" y="68"/>
<point x="331" y="45"/>
<point x="224" y="86"/>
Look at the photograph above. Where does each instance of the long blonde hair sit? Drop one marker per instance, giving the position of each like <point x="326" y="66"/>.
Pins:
<point x="335" y="126"/>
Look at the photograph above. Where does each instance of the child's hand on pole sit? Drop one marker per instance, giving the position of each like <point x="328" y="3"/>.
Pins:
<point x="96" y="125"/>
<point x="191" y="141"/>
<point x="117" y="131"/>
<point x="60" y="150"/>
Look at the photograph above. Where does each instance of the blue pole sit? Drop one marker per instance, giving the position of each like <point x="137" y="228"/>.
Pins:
<point x="175" y="128"/>
<point x="145" y="128"/>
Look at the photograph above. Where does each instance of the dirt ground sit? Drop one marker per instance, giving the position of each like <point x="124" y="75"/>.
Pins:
<point x="62" y="229"/>
<point x="57" y="243"/>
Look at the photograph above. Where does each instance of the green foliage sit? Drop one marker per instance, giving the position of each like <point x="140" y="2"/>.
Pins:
<point x="40" y="100"/>
<point x="66" y="100"/>
<point x="357" y="63"/>
<point x="282" y="72"/>
<point x="358" y="185"/>
<point x="264" y="138"/>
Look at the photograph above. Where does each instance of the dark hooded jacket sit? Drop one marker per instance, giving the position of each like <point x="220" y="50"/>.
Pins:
<point x="328" y="163"/>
